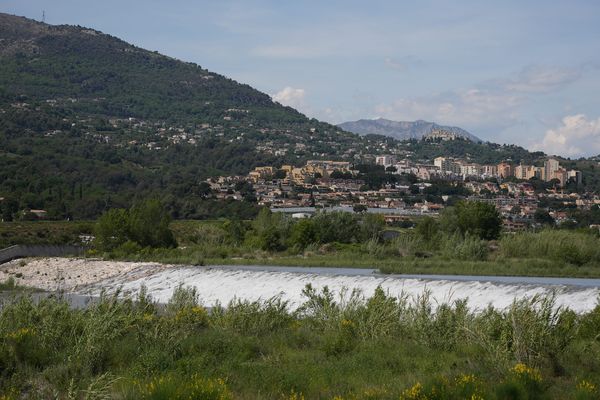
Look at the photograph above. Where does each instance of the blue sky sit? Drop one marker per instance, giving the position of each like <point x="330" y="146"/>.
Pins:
<point x="524" y="72"/>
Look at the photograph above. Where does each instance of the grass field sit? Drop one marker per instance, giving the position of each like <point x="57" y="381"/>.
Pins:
<point x="43" y="232"/>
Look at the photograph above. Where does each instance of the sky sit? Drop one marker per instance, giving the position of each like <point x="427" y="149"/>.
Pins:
<point x="525" y="72"/>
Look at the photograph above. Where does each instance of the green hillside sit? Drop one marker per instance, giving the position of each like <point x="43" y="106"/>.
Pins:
<point x="89" y="122"/>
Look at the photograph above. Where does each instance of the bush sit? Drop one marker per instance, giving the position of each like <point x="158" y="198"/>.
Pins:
<point x="112" y="229"/>
<point x="254" y="317"/>
<point x="467" y="248"/>
<point x="303" y="234"/>
<point x="172" y="387"/>
<point x="427" y="228"/>
<point x="472" y="218"/>
<point x="149" y="225"/>
<point x="146" y="225"/>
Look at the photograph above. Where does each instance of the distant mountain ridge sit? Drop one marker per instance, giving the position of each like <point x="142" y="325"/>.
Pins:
<point x="401" y="130"/>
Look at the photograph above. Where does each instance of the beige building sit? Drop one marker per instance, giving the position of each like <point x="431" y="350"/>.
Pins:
<point x="550" y="166"/>
<point x="447" y="165"/>
<point x="527" y="172"/>
<point x="385" y="161"/>
<point x="505" y="170"/>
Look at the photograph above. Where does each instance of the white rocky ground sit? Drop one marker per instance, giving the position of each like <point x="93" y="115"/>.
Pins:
<point x="73" y="274"/>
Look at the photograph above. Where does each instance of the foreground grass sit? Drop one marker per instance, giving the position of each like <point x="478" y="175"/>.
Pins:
<point x="11" y="286"/>
<point x="331" y="348"/>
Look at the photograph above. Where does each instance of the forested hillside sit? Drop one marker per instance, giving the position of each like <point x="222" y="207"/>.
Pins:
<point x="89" y="122"/>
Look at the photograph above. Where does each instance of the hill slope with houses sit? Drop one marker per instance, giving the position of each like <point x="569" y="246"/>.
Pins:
<point x="90" y="122"/>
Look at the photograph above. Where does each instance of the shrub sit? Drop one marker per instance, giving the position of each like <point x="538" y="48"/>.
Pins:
<point x="427" y="228"/>
<point x="567" y="246"/>
<point x="472" y="218"/>
<point x="254" y="317"/>
<point x="467" y="248"/>
<point x="303" y="233"/>
<point x="146" y="224"/>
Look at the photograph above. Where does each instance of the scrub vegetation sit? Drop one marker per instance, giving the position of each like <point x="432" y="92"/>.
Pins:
<point x="331" y="347"/>
<point x="466" y="239"/>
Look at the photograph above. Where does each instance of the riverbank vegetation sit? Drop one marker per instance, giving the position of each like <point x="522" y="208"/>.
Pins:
<point x="465" y="239"/>
<point x="331" y="347"/>
<point x="44" y="232"/>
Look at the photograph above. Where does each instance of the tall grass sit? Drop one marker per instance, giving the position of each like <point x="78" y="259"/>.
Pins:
<point x="341" y="344"/>
<point x="575" y="248"/>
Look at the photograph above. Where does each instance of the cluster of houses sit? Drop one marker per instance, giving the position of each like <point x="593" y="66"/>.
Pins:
<point x="447" y="167"/>
<point x="325" y="184"/>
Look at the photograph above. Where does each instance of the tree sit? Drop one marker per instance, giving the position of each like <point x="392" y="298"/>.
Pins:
<point x="303" y="233"/>
<point x="269" y="229"/>
<point x="112" y="229"/>
<point x="371" y="226"/>
<point x="146" y="224"/>
<point x="359" y="208"/>
<point x="280" y="174"/>
<point x="337" y="226"/>
<point x="472" y="218"/>
<point x="149" y="225"/>
<point x="236" y="230"/>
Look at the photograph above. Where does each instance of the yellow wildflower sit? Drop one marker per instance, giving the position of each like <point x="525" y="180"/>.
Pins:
<point x="586" y="386"/>
<point x="414" y="393"/>
<point x="465" y="379"/>
<point x="523" y="371"/>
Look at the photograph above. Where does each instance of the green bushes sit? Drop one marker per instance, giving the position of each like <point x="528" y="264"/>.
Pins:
<point x="342" y="345"/>
<point x="472" y="218"/>
<point x="174" y="387"/>
<point x="564" y="246"/>
<point x="253" y="317"/>
<point x="467" y="248"/>
<point x="144" y="225"/>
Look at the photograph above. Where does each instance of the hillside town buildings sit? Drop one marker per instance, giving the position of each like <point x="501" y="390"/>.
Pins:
<point x="335" y="185"/>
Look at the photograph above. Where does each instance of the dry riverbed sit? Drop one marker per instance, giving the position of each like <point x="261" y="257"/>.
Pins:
<point x="73" y="274"/>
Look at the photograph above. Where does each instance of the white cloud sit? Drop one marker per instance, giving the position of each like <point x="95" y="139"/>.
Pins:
<point x="576" y="136"/>
<point x="536" y="79"/>
<point x="487" y="108"/>
<point x="394" y="64"/>
<point x="290" y="97"/>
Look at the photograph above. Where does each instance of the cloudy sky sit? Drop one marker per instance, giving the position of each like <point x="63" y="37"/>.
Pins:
<point x="524" y="72"/>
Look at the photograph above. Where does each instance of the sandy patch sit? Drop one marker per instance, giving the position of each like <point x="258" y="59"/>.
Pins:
<point x="73" y="274"/>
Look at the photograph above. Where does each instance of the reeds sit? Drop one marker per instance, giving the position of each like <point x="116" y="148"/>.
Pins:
<point x="342" y="344"/>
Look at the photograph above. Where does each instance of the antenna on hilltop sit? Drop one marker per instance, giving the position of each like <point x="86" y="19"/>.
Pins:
<point x="44" y="16"/>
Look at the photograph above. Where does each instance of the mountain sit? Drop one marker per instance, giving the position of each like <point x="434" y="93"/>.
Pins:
<point x="88" y="121"/>
<point x="401" y="130"/>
